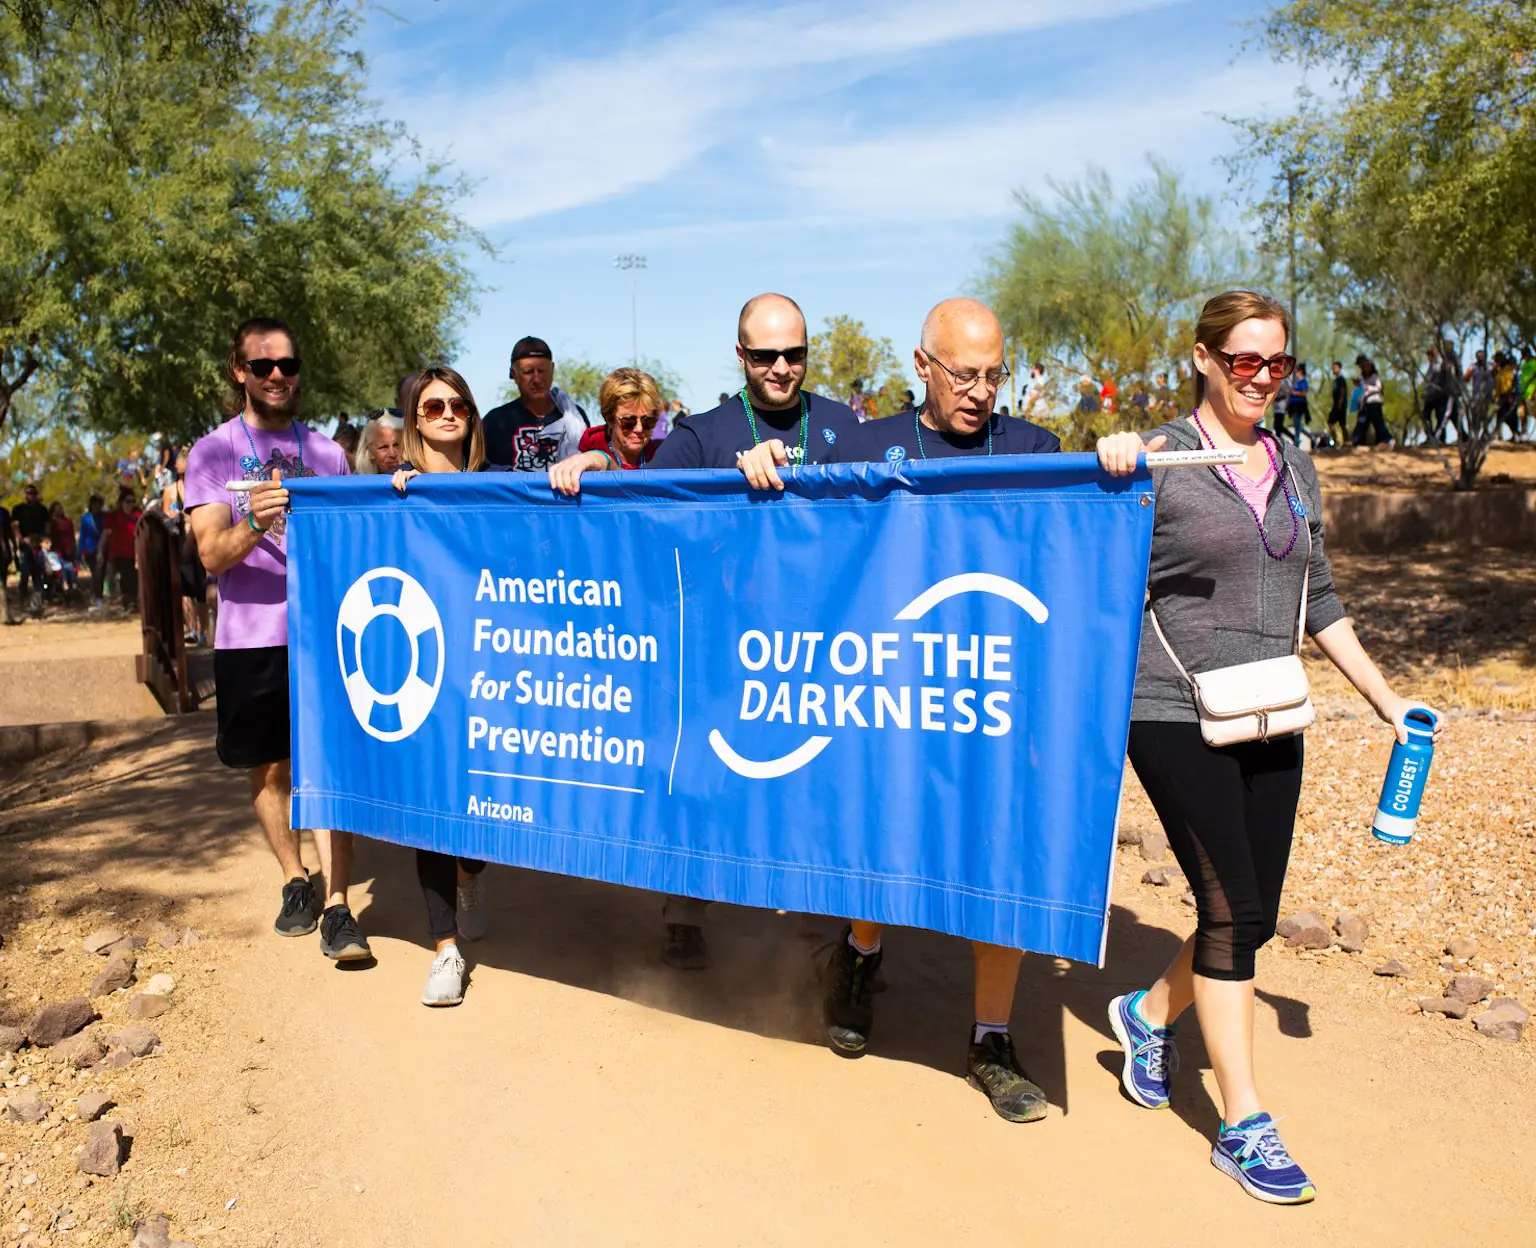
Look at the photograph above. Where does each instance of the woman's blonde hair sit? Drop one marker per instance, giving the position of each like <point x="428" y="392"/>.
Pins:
<point x="1224" y="313"/>
<point x="363" y="461"/>
<point x="627" y="385"/>
<point x="474" y="440"/>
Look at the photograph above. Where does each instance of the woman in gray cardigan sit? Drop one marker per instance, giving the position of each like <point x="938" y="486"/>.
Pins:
<point x="1233" y="551"/>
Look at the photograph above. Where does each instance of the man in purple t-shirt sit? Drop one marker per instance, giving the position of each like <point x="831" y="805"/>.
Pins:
<point x="241" y="540"/>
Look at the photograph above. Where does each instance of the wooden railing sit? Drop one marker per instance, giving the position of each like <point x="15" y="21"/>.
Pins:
<point x="162" y="665"/>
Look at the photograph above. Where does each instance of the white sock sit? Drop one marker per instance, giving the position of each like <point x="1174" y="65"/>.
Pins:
<point x="985" y="1029"/>
<point x="858" y="948"/>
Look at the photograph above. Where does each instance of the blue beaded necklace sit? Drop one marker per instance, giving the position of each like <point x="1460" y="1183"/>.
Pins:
<point x="805" y="421"/>
<point x="252" y="462"/>
<point x="917" y="424"/>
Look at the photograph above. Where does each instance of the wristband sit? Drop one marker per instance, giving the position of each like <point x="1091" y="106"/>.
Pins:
<point x="250" y="519"/>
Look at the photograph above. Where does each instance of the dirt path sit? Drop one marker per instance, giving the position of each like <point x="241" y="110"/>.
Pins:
<point x="584" y="1094"/>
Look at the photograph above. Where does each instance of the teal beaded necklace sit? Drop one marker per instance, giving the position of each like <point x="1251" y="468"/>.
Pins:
<point x="918" y="425"/>
<point x="805" y="421"/>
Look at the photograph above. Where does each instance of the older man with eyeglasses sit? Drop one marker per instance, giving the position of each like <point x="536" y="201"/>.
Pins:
<point x="773" y="420"/>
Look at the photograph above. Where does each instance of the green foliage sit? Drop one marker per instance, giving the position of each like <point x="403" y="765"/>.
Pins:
<point x="1416" y="211"/>
<point x="844" y="353"/>
<point x="45" y="450"/>
<point x="1091" y="282"/>
<point x="153" y="195"/>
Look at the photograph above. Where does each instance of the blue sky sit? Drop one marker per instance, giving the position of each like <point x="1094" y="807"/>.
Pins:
<point x="858" y="156"/>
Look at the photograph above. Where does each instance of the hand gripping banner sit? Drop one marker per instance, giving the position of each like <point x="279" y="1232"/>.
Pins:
<point x="891" y="693"/>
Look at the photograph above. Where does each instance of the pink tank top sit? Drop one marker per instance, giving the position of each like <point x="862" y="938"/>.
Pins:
<point x="1255" y="493"/>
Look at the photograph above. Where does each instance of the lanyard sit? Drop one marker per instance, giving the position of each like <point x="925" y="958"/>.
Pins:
<point x="917" y="424"/>
<point x="252" y="462"/>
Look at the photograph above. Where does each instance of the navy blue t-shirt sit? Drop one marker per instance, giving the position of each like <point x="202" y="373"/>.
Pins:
<point x="895" y="439"/>
<point x="711" y="439"/>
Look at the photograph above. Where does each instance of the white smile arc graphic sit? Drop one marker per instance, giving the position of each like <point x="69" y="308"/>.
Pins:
<point x="941" y="591"/>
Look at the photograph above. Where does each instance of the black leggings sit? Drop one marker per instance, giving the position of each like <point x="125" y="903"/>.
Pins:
<point x="1229" y="814"/>
<point x="439" y="876"/>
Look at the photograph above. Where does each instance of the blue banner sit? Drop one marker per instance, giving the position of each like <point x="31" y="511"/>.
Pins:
<point x="895" y="693"/>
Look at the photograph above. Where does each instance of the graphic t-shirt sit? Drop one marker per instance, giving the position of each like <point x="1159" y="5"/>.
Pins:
<point x="253" y="595"/>
<point x="515" y="438"/>
<point x="897" y="439"/>
<point x="711" y="439"/>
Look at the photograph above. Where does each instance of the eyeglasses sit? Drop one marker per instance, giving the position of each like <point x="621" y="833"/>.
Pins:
<point x="627" y="423"/>
<point x="1248" y="364"/>
<point x="968" y="377"/>
<point x="288" y="366"/>
<point x="433" y="409"/>
<point x="767" y="357"/>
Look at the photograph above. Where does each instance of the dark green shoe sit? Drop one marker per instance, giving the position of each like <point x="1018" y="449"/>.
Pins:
<point x="993" y="1068"/>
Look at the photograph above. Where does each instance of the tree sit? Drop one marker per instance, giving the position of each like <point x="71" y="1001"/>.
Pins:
<point x="1417" y="203"/>
<point x="1106" y="285"/>
<point x="844" y="352"/>
<point x="221" y="26"/>
<point x="152" y="196"/>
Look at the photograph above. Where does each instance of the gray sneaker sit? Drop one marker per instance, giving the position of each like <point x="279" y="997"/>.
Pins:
<point x="471" y="909"/>
<point x="445" y="985"/>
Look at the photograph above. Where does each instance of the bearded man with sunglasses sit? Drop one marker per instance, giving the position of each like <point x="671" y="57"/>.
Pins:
<point x="241" y="540"/>
<point x="773" y="420"/>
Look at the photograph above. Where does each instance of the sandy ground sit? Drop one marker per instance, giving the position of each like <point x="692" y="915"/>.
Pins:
<point x="584" y="1093"/>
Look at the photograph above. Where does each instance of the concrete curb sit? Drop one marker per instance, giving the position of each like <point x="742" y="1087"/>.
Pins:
<point x="21" y="743"/>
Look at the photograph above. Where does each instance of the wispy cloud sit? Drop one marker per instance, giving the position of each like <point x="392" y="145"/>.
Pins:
<point x="584" y="130"/>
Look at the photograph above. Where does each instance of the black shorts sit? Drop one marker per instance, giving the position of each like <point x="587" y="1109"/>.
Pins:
<point x="251" y="687"/>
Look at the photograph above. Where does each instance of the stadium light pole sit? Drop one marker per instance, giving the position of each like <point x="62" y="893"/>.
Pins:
<point x="633" y="264"/>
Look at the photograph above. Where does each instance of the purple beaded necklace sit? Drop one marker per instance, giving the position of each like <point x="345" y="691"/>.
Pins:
<point x="1292" y="505"/>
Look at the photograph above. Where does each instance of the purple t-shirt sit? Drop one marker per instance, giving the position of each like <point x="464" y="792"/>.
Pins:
<point x="253" y="595"/>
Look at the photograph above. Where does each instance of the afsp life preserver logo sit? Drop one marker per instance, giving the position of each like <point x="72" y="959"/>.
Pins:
<point x="385" y="612"/>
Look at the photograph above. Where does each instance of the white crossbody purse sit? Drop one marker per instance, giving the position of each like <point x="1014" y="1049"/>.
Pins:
<point x="1253" y="701"/>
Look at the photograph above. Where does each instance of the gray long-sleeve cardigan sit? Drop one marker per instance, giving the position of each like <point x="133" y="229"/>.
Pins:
<point x="1220" y="598"/>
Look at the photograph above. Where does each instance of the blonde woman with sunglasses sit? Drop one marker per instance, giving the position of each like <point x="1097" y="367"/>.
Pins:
<point x="443" y="433"/>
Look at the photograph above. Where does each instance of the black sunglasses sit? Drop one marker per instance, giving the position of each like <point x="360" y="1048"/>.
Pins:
<point x="627" y="423"/>
<point x="288" y="366"/>
<point x="767" y="357"/>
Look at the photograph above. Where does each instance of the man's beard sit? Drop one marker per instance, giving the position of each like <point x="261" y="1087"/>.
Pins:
<point x="761" y="397"/>
<point x="266" y="409"/>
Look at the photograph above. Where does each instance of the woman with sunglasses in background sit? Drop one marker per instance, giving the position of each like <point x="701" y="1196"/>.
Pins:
<point x="631" y="404"/>
<point x="443" y="433"/>
<point x="1237" y="559"/>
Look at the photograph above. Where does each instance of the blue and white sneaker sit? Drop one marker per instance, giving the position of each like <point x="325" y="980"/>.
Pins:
<point x="1253" y="1153"/>
<point x="1151" y="1056"/>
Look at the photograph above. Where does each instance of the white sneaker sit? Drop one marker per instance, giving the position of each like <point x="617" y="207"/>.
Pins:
<point x="471" y="910"/>
<point x="445" y="985"/>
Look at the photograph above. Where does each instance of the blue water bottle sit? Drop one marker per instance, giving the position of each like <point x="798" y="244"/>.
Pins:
<point x="1403" y="788"/>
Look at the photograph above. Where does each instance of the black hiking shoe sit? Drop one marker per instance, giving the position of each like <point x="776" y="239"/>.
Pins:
<point x="299" y="914"/>
<point x="993" y="1068"/>
<point x="340" y="937"/>
<point x="846" y="1009"/>
<point x="684" y="947"/>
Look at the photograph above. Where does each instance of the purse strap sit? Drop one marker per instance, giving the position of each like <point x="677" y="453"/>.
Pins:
<point x="1301" y="614"/>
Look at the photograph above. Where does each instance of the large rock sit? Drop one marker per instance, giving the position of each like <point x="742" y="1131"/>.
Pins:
<point x="27" y="1107"/>
<point x="103" y="1151"/>
<point x="1391" y="969"/>
<point x="119" y="974"/>
<point x="11" y="1039"/>
<point x="1313" y="936"/>
<point x="1462" y="948"/>
<point x="1448" y="1006"/>
<point x="1297" y="922"/>
<point x="58" y="1019"/>
<point x="161" y="985"/>
<point x="1504" y="1020"/>
<point x="1127" y="835"/>
<point x="156" y="1233"/>
<point x="80" y="1051"/>
<point x="148" y="1005"/>
<point x="102" y="940"/>
<point x="1154" y="845"/>
<point x="1352" y="931"/>
<point x="137" y="1040"/>
<point x="1469" y="988"/>
<point x="93" y="1105"/>
<point x="127" y="944"/>
<point x="1161" y="877"/>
